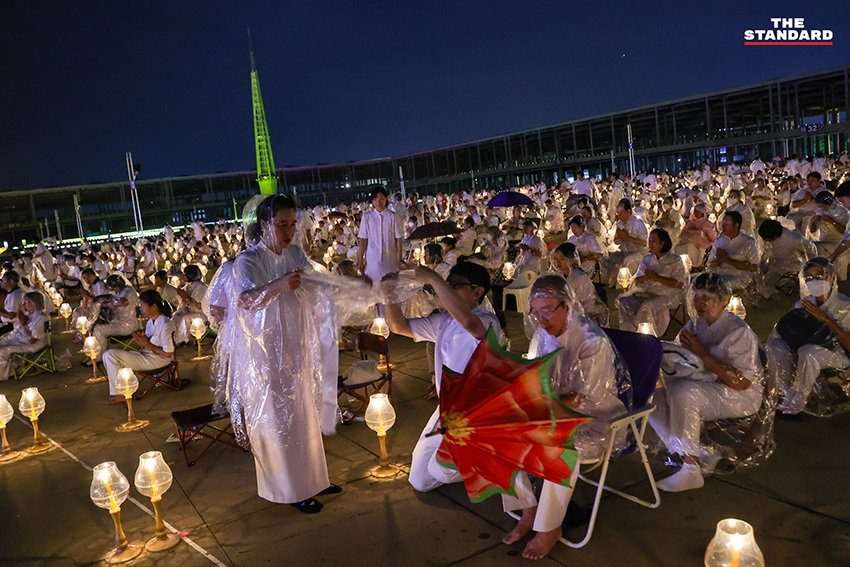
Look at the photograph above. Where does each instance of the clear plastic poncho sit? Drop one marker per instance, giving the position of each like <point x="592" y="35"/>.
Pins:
<point x="807" y="362"/>
<point x="697" y="414"/>
<point x="588" y="368"/>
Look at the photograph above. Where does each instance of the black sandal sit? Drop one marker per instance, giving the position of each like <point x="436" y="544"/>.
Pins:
<point x="309" y="506"/>
<point x="332" y="489"/>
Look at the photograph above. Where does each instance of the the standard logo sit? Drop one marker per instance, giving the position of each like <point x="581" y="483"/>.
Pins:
<point x="788" y="31"/>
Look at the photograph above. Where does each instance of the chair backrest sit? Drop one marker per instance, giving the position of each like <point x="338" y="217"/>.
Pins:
<point x="642" y="356"/>
<point x="367" y="342"/>
<point x="523" y="280"/>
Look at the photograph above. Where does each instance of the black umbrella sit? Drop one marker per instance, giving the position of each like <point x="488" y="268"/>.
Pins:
<point x="510" y="199"/>
<point x="433" y="230"/>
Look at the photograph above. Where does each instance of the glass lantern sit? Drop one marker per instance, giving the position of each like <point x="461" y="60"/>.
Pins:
<point x="624" y="278"/>
<point x="6" y="413"/>
<point x="153" y="479"/>
<point x="380" y="417"/>
<point x="646" y="328"/>
<point x="733" y="545"/>
<point x="65" y="311"/>
<point x="91" y="349"/>
<point x="736" y="306"/>
<point x="127" y="383"/>
<point x="198" y="329"/>
<point x="380" y="327"/>
<point x="109" y="489"/>
<point x="83" y="325"/>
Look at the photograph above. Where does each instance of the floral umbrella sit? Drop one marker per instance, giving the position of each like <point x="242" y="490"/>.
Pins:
<point x="502" y="416"/>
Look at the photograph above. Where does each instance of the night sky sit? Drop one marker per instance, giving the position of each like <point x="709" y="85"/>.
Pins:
<point x="84" y="82"/>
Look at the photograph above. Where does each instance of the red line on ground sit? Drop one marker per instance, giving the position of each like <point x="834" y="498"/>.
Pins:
<point x="787" y="43"/>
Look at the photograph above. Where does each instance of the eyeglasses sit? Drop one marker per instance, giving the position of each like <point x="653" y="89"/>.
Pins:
<point x="457" y="285"/>
<point x="545" y="313"/>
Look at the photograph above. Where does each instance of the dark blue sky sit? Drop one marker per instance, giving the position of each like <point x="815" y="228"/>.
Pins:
<point x="84" y="82"/>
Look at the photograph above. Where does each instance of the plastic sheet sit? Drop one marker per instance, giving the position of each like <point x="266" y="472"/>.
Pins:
<point x="807" y="361"/>
<point x="694" y="402"/>
<point x="219" y="312"/>
<point x="588" y="372"/>
<point x="650" y="301"/>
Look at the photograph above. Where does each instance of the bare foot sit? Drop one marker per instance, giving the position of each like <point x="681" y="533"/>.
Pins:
<point x="524" y="526"/>
<point x="116" y="400"/>
<point x="541" y="544"/>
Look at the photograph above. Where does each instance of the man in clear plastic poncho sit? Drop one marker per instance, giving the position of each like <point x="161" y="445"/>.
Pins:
<point x="812" y="350"/>
<point x="590" y="378"/>
<point x="728" y="383"/>
<point x="283" y="354"/>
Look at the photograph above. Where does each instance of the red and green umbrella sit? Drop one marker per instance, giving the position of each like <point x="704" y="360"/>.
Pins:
<point x="502" y="417"/>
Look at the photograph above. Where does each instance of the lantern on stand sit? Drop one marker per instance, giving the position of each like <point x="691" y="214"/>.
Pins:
<point x="83" y="325"/>
<point x="65" y="311"/>
<point x="126" y="383"/>
<point x="153" y="479"/>
<point x="91" y="349"/>
<point x="624" y="278"/>
<point x="646" y="328"/>
<point x="380" y="417"/>
<point x="32" y="405"/>
<point x="198" y="329"/>
<point x="6" y="413"/>
<point x="736" y="306"/>
<point x="733" y="545"/>
<point x="109" y="489"/>
<point x="380" y="327"/>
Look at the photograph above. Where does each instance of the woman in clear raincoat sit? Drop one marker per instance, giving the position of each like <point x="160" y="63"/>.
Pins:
<point x="657" y="286"/>
<point x="591" y="379"/>
<point x="796" y="361"/>
<point x="729" y="384"/>
<point x="566" y="259"/>
<point x="273" y="399"/>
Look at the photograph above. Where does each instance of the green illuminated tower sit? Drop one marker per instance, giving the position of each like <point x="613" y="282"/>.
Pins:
<point x="265" y="161"/>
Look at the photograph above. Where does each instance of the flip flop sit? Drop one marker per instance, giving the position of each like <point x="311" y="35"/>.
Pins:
<point x="309" y="506"/>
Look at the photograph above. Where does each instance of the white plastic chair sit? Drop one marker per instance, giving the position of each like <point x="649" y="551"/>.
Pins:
<point x="520" y="288"/>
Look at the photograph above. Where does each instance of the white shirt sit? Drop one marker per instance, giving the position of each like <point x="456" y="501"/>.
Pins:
<point x="383" y="230"/>
<point x="731" y="341"/>
<point x="741" y="248"/>
<point x="635" y="228"/>
<point x="12" y="304"/>
<point x="583" y="187"/>
<point x="466" y="243"/>
<point x="454" y="345"/>
<point x="160" y="331"/>
<point x="668" y="266"/>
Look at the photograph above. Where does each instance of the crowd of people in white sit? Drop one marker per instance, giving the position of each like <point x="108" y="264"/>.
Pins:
<point x="704" y="242"/>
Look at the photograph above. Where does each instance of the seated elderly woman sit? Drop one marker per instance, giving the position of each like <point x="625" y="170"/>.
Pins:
<point x="27" y="332"/>
<point x="728" y="385"/>
<point x="815" y="336"/>
<point x="566" y="260"/>
<point x="657" y="286"/>
<point x="590" y="379"/>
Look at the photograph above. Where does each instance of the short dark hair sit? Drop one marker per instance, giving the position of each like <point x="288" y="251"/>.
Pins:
<point x="770" y="229"/>
<point x="625" y="203"/>
<point x="449" y="241"/>
<point x="193" y="273"/>
<point x="735" y="216"/>
<point x="664" y="237"/>
<point x="36" y="298"/>
<point x="714" y="283"/>
<point x="579" y="220"/>
<point x="161" y="275"/>
<point x="88" y="272"/>
<point x="568" y="249"/>
<point x="12" y="276"/>
<point x="843" y="190"/>
<point x="378" y="189"/>
<point x="475" y="273"/>
<point x="824" y="198"/>
<point x="815" y="174"/>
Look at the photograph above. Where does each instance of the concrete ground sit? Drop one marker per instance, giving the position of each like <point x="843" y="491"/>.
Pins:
<point x="796" y="501"/>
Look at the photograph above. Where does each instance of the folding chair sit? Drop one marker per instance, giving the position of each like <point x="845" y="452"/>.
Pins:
<point x="124" y="342"/>
<point x="168" y="376"/>
<point x="788" y="284"/>
<point x="679" y="315"/>
<point x="642" y="356"/>
<point x="366" y="343"/>
<point x="197" y="423"/>
<point x="23" y="362"/>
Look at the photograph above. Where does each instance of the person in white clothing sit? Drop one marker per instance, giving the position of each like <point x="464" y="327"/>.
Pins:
<point x="116" y="313"/>
<point x="379" y="251"/>
<point x="729" y="385"/>
<point x="554" y="217"/>
<point x="28" y="334"/>
<point x="456" y="333"/>
<point x="587" y="245"/>
<point x="191" y="300"/>
<point x="156" y="342"/>
<point x="166" y="290"/>
<point x="532" y="250"/>
<point x="821" y="300"/>
<point x="784" y="253"/>
<point x="466" y="240"/>
<point x="590" y="379"/>
<point x="582" y="186"/>
<point x="748" y="219"/>
<point x="14" y="295"/>
<point x="657" y="287"/>
<point x="631" y="236"/>
<point x="734" y="255"/>
<point x="272" y="398"/>
<point x="565" y="258"/>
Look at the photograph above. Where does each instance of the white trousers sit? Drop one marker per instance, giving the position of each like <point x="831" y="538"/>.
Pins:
<point x="553" y="503"/>
<point x="115" y="359"/>
<point x="101" y="333"/>
<point x="811" y="359"/>
<point x="425" y="472"/>
<point x="634" y="310"/>
<point x="683" y="405"/>
<point x="8" y="349"/>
